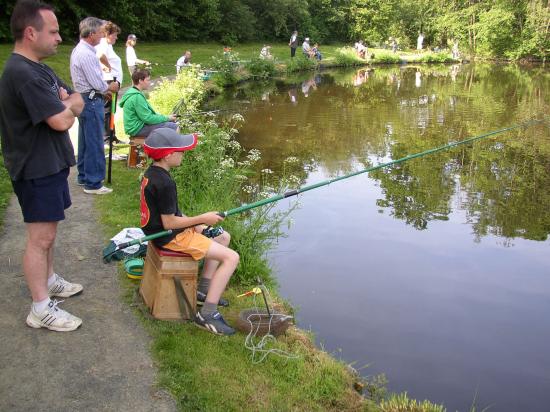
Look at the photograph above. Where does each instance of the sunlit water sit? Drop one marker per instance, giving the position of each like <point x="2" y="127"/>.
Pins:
<point x="435" y="272"/>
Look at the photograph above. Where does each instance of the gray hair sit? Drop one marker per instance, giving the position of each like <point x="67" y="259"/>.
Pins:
<point x="89" y="26"/>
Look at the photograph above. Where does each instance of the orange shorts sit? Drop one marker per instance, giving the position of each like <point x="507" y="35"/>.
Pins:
<point x="190" y="242"/>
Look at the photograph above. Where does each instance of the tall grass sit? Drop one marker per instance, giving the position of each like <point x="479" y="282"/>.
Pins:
<point x="436" y="58"/>
<point x="347" y="56"/>
<point x="300" y="63"/>
<point x="261" y="68"/>
<point x="385" y="57"/>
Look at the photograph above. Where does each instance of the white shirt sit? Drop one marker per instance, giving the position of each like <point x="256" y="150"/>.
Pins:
<point x="181" y="63"/>
<point x="116" y="63"/>
<point x="130" y="56"/>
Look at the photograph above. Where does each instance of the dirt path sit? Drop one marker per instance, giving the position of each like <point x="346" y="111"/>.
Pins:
<point x="103" y="366"/>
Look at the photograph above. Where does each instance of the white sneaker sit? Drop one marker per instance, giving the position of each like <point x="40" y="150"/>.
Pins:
<point x="63" y="289"/>
<point x="101" y="191"/>
<point x="53" y="318"/>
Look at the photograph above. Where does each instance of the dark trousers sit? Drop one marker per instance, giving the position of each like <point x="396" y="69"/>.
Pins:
<point x="292" y="51"/>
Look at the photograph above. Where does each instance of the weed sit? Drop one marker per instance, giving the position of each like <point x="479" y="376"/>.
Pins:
<point x="262" y="68"/>
<point x="347" y="56"/>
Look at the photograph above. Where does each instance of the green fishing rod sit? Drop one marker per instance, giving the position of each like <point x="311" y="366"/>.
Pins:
<point x="296" y="192"/>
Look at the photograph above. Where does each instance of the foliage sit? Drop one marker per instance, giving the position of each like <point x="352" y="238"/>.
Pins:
<point x="262" y="68"/>
<point x="488" y="27"/>
<point x="225" y="65"/>
<point x="402" y="403"/>
<point x="183" y="94"/>
<point x="385" y="57"/>
<point x="347" y="56"/>
<point x="300" y="63"/>
<point x="436" y="58"/>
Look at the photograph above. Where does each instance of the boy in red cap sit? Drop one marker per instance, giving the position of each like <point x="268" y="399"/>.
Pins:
<point x="160" y="211"/>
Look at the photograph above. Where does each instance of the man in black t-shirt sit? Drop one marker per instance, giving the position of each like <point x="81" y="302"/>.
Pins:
<point x="36" y="111"/>
<point x="160" y="211"/>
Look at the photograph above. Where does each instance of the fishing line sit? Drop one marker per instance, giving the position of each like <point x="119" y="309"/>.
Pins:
<point x="259" y="349"/>
<point x="295" y="192"/>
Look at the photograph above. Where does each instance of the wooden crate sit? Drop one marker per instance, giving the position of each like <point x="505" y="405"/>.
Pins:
<point x="162" y="272"/>
<point x="134" y="157"/>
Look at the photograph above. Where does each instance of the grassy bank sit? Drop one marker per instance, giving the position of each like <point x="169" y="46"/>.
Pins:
<point x="163" y="56"/>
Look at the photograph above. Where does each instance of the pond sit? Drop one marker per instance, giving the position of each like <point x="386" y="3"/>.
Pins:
<point x="435" y="271"/>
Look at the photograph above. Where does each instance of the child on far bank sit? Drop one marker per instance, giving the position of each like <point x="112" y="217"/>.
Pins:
<point x="190" y="234"/>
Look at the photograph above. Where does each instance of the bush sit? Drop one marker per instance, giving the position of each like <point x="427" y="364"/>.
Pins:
<point x="436" y="58"/>
<point x="347" y="56"/>
<point x="386" y="58"/>
<point x="261" y="67"/>
<point x="225" y="64"/>
<point x="183" y="94"/>
<point x="300" y="63"/>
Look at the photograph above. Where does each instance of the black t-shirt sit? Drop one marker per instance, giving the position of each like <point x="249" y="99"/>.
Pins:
<point x="29" y="94"/>
<point x="159" y="196"/>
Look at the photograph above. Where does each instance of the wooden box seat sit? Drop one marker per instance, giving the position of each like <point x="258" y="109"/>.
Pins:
<point x="134" y="157"/>
<point x="169" y="284"/>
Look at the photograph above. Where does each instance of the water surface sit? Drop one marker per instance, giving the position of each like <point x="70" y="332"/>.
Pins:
<point x="435" y="271"/>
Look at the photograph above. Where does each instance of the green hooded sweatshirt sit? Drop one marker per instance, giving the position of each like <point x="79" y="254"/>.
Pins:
<point x="138" y="112"/>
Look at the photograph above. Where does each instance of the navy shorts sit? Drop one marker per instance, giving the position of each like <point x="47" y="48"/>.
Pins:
<point x="44" y="199"/>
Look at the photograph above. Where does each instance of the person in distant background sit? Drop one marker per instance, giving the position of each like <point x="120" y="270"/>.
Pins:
<point x="183" y="61"/>
<point x="265" y="53"/>
<point x="419" y="41"/>
<point x="293" y="43"/>
<point x="111" y="64"/>
<point x="131" y="59"/>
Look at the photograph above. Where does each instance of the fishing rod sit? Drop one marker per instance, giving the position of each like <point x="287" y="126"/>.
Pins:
<point x="112" y="249"/>
<point x="295" y="192"/>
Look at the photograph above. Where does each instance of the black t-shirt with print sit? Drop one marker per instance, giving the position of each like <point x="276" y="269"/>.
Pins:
<point x="159" y="196"/>
<point x="29" y="94"/>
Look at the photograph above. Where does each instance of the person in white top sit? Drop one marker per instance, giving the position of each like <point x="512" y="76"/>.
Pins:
<point x="183" y="61"/>
<point x="111" y="64"/>
<point x="419" y="41"/>
<point x="265" y="53"/>
<point x="131" y="59"/>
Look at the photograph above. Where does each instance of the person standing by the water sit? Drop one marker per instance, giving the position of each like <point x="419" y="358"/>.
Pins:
<point x="111" y="64"/>
<point x="131" y="58"/>
<point x="419" y="41"/>
<point x="88" y="81"/>
<point x="36" y="111"/>
<point x="293" y="43"/>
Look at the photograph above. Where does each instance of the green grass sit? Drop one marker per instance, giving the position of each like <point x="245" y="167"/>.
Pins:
<point x="164" y="56"/>
<point x="5" y="190"/>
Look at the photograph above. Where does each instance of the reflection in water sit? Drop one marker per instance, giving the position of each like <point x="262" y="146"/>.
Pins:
<point x="434" y="271"/>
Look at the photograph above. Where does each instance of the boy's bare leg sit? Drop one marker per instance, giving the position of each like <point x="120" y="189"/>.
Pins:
<point x="210" y="265"/>
<point x="228" y="260"/>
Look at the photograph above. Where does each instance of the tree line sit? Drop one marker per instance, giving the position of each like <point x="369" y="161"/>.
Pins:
<point x="494" y="28"/>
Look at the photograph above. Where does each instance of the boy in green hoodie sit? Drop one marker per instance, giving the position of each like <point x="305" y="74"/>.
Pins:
<point x="139" y="117"/>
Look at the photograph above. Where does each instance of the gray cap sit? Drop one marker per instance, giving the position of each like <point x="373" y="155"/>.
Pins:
<point x="163" y="141"/>
<point x="132" y="37"/>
